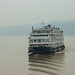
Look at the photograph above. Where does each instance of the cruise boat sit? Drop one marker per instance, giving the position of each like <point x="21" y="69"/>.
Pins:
<point x="46" y="39"/>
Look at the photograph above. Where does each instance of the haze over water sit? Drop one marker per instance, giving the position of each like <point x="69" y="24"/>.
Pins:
<point x="14" y="59"/>
<point x="17" y="18"/>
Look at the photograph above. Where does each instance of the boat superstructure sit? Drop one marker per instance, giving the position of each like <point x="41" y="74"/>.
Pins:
<point x="46" y="39"/>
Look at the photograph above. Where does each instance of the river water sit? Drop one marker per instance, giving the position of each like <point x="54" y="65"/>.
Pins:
<point x="14" y="59"/>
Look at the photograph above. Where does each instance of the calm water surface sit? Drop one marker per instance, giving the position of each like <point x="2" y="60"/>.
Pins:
<point x="14" y="59"/>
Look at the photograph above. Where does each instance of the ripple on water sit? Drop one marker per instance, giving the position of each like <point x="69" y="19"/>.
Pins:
<point x="48" y="64"/>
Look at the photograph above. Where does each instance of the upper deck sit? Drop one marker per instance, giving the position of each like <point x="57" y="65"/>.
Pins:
<point x="46" y="34"/>
<point x="46" y="30"/>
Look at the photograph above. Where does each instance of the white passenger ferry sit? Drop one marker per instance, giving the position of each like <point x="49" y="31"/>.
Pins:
<point x="46" y="39"/>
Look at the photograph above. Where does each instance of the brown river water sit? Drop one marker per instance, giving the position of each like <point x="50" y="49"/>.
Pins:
<point x="15" y="60"/>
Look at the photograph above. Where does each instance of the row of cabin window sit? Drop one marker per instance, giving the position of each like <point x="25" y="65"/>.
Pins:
<point x="60" y="35"/>
<point x="40" y="45"/>
<point x="48" y="31"/>
<point x="39" y="35"/>
<point x="39" y="40"/>
<point x="43" y="31"/>
<point x="49" y="44"/>
<point x="45" y="35"/>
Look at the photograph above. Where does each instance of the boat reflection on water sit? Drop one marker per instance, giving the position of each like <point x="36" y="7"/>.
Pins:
<point x="46" y="64"/>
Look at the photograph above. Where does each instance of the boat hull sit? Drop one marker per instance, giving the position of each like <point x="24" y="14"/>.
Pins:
<point x="45" y="50"/>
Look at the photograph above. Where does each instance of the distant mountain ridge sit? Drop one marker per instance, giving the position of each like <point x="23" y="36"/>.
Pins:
<point x="67" y="26"/>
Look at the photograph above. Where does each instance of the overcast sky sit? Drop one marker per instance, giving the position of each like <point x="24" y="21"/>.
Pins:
<point x="19" y="12"/>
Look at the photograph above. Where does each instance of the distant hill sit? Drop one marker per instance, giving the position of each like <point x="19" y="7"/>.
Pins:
<point x="67" y="26"/>
<point x="15" y="30"/>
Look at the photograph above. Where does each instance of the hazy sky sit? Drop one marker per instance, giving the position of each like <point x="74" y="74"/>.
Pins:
<point x="19" y="12"/>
